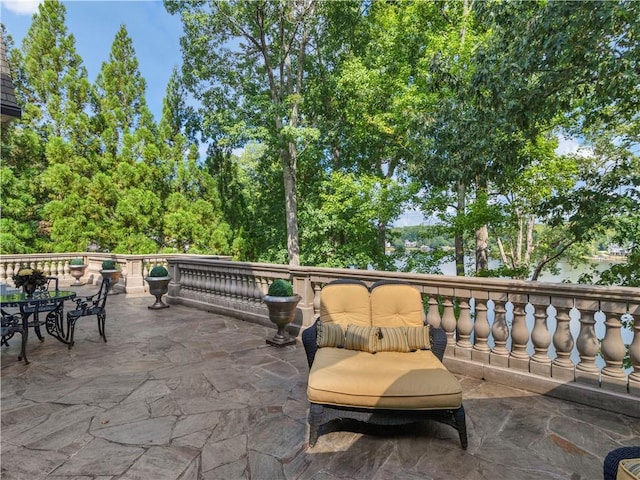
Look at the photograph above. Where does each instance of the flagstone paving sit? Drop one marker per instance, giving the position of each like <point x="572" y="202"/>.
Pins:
<point x="184" y="394"/>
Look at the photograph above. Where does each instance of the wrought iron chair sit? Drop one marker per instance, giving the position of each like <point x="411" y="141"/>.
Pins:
<point x="89" y="306"/>
<point x="51" y="308"/>
<point x="12" y="324"/>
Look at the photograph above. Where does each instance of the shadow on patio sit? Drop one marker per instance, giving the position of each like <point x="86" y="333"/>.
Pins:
<point x="184" y="394"/>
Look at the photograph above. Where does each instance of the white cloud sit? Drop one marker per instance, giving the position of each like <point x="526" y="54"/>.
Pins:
<point x="572" y="146"/>
<point x="22" y="7"/>
<point x="567" y="145"/>
<point x="409" y="218"/>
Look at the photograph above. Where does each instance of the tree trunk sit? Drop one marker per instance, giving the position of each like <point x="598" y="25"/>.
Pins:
<point x="459" y="235"/>
<point x="482" y="233"/>
<point x="289" y="158"/>
<point x="482" y="254"/>
<point x="529" y="239"/>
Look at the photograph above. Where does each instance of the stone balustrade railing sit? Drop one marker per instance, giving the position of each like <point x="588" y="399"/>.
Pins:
<point x="134" y="268"/>
<point x="560" y="339"/>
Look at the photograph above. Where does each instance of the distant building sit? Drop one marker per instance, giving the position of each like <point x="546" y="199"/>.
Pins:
<point x="409" y="244"/>
<point x="617" y="250"/>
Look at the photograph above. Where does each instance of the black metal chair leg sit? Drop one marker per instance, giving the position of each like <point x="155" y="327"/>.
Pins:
<point x="71" y="326"/>
<point x="461" y="426"/>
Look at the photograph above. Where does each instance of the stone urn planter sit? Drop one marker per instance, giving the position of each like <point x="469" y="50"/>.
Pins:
<point x="77" y="268"/>
<point x="158" y="281"/>
<point x="281" y="303"/>
<point x="110" y="271"/>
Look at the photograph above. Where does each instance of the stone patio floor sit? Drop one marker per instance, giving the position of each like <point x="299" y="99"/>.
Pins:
<point x="185" y="394"/>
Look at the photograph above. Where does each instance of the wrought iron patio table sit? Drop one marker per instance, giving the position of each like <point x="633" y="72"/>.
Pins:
<point x="30" y="305"/>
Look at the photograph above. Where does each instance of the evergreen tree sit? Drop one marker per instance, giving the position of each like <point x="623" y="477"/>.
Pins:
<point x="129" y="181"/>
<point x="54" y="89"/>
<point x="193" y="220"/>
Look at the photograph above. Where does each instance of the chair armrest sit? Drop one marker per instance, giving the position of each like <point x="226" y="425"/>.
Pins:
<point x="438" y="339"/>
<point x="310" y="342"/>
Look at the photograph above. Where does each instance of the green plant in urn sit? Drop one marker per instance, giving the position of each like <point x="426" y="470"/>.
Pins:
<point x="158" y="281"/>
<point x="76" y="269"/>
<point x="110" y="270"/>
<point x="281" y="303"/>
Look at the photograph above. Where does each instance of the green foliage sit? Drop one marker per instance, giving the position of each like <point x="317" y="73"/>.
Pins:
<point x="109" y="265"/>
<point x="280" y="288"/>
<point x="76" y="261"/>
<point x="159" y="271"/>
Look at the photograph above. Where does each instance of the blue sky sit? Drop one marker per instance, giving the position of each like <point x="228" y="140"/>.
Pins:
<point x="94" y="24"/>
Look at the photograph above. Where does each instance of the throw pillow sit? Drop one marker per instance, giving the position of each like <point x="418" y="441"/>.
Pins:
<point x="361" y="338"/>
<point x="393" y="339"/>
<point x="418" y="338"/>
<point x="330" y="335"/>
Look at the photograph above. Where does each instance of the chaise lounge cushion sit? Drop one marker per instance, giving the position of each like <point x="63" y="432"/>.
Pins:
<point x="345" y="304"/>
<point x="390" y="380"/>
<point x="395" y="305"/>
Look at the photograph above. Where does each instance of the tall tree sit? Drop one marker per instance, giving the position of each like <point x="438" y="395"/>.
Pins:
<point x="193" y="219"/>
<point x="249" y="58"/>
<point x="130" y="179"/>
<point x="53" y="86"/>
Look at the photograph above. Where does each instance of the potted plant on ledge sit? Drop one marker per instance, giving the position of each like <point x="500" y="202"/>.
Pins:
<point x="110" y="270"/>
<point x="281" y="302"/>
<point x="158" y="281"/>
<point x="77" y="268"/>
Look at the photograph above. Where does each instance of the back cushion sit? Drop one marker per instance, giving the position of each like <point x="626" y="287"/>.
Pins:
<point x="345" y="303"/>
<point x="394" y="305"/>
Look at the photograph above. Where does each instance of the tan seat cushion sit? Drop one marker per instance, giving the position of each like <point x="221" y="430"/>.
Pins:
<point x="394" y="380"/>
<point x="396" y="306"/>
<point x="345" y="303"/>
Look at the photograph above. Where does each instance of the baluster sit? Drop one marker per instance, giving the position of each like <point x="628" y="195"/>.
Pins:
<point x="519" y="358"/>
<point x="10" y="273"/>
<point x="433" y="315"/>
<point x="215" y="285"/>
<point x="500" y="331"/>
<point x="588" y="344"/>
<point x="208" y="284"/>
<point x="482" y="329"/>
<point x="3" y="272"/>
<point x="634" y="351"/>
<point x="465" y="325"/>
<point x="562" y="367"/>
<point x="540" y="363"/>
<point x="243" y="289"/>
<point x="257" y="293"/>
<point x="66" y="271"/>
<point x="448" y="323"/>
<point x="613" y="349"/>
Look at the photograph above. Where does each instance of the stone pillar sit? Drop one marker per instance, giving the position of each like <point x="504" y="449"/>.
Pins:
<point x="482" y="329"/>
<point x="500" y="330"/>
<point x="588" y="344"/>
<point x="540" y="337"/>
<point x="562" y="367"/>
<point x="133" y="279"/>
<point x="464" y="325"/>
<point x="613" y="349"/>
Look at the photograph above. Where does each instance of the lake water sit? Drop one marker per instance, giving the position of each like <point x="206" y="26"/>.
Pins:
<point x="566" y="273"/>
